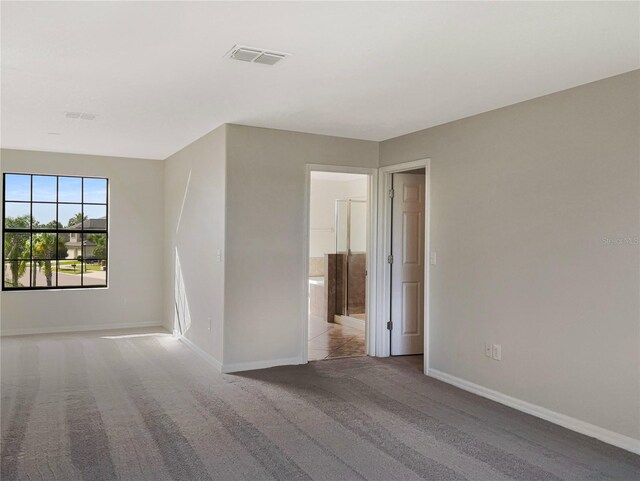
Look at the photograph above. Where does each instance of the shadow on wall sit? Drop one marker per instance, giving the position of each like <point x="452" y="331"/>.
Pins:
<point x="182" y="316"/>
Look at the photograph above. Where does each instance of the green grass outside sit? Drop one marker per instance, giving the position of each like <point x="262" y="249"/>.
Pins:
<point x="66" y="267"/>
<point x="70" y="270"/>
<point x="73" y="261"/>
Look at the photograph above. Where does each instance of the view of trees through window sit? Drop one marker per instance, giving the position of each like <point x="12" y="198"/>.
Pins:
<point x="54" y="232"/>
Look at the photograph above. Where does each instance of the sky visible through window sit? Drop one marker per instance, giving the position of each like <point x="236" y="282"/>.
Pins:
<point x="71" y="191"/>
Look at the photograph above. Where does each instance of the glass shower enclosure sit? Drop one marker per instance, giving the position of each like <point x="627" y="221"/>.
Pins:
<point x="351" y="258"/>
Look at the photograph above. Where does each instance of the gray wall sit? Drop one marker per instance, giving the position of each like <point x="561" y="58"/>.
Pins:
<point x="195" y="229"/>
<point x="264" y="296"/>
<point x="522" y="200"/>
<point x="136" y="218"/>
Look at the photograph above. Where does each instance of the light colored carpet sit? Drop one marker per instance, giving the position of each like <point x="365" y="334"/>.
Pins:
<point x="105" y="406"/>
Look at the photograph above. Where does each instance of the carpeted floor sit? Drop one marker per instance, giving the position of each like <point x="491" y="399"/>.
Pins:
<point x="103" y="406"/>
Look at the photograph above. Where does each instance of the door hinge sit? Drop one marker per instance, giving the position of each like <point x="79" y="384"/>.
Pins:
<point x="390" y="259"/>
<point x="391" y="193"/>
<point x="389" y="325"/>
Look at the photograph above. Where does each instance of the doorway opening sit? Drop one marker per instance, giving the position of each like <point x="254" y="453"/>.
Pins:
<point x="339" y="246"/>
<point x="404" y="260"/>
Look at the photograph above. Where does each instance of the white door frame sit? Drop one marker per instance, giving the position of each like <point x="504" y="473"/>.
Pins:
<point x="372" y="221"/>
<point x="384" y="243"/>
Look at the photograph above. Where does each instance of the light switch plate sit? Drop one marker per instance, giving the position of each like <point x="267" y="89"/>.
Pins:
<point x="497" y="352"/>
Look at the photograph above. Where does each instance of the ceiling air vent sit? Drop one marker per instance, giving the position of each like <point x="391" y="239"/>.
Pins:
<point x="269" y="58"/>
<point x="255" y="55"/>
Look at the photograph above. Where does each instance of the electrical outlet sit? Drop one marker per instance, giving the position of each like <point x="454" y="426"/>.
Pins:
<point x="497" y="352"/>
<point x="488" y="349"/>
<point x="433" y="258"/>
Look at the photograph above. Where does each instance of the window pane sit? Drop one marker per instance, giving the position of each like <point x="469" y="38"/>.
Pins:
<point x="63" y="251"/>
<point x="44" y="216"/>
<point x="94" y="275"/>
<point x="42" y="272"/>
<point x="94" y="246"/>
<point x="17" y="215"/>
<point x="69" y="273"/>
<point x="15" y="273"/>
<point x="73" y="245"/>
<point x="70" y="215"/>
<point x="69" y="189"/>
<point x="16" y="245"/>
<point x="96" y="216"/>
<point x="47" y="245"/>
<point x="95" y="190"/>
<point x="17" y="187"/>
<point x="44" y="188"/>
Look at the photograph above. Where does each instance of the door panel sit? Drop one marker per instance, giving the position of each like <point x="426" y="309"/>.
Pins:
<point x="411" y="308"/>
<point x="407" y="270"/>
<point x="411" y="253"/>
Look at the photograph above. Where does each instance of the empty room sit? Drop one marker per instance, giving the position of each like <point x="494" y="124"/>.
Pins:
<point x="320" y="241"/>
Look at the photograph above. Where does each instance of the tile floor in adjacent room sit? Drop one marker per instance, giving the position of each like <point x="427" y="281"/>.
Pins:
<point x="329" y="340"/>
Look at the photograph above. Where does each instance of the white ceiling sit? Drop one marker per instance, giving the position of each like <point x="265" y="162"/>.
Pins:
<point x="154" y="74"/>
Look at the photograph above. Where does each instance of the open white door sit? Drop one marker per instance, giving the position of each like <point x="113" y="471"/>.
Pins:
<point x="407" y="264"/>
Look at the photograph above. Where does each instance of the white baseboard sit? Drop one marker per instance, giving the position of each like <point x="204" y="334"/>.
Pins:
<point x="240" y="366"/>
<point x="352" y="322"/>
<point x="204" y="355"/>
<point x="250" y="366"/>
<point x="582" y="427"/>
<point x="62" y="329"/>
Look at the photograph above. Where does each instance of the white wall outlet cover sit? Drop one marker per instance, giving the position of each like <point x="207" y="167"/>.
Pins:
<point x="433" y="258"/>
<point x="488" y="349"/>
